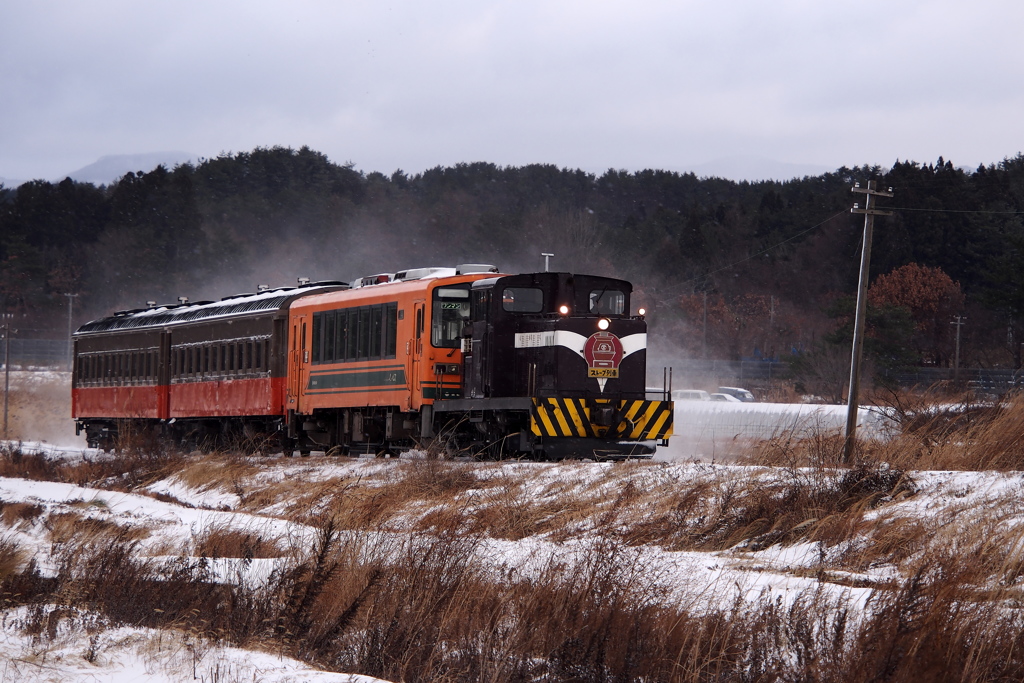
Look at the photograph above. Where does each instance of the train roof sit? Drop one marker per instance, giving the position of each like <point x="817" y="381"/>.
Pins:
<point x="176" y="314"/>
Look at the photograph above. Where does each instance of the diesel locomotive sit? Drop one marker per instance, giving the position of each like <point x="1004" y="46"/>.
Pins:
<point x="464" y="360"/>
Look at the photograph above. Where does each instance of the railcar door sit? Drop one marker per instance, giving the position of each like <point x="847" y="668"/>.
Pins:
<point x="163" y="377"/>
<point x="298" y="360"/>
<point x="416" y="365"/>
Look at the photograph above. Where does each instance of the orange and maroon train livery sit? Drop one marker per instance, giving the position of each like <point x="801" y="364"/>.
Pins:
<point x="545" y="365"/>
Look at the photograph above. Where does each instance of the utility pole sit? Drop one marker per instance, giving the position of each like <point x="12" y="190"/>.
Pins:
<point x="959" y="322"/>
<point x="71" y="354"/>
<point x="869" y="212"/>
<point x="704" y="344"/>
<point x="546" y="257"/>
<point x="7" y="366"/>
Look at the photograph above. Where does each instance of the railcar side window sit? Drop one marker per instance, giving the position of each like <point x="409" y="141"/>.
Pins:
<point x="340" y="325"/>
<point x="362" y="343"/>
<point x="390" y="329"/>
<point x="318" y="345"/>
<point x="607" y="302"/>
<point x="352" y="334"/>
<point x="327" y="325"/>
<point x="363" y="333"/>
<point x="481" y="302"/>
<point x="522" y="299"/>
<point x="376" y="325"/>
<point x="451" y="310"/>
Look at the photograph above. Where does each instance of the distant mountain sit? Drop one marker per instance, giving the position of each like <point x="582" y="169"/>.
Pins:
<point x="110" y="168"/>
<point x="755" y="168"/>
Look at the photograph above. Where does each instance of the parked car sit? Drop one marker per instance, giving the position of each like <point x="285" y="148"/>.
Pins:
<point x="690" y="395"/>
<point x="738" y="393"/>
<point x="727" y="398"/>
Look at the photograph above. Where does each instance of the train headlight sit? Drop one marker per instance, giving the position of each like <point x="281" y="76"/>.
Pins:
<point x="641" y="312"/>
<point x="563" y="309"/>
<point x="603" y="324"/>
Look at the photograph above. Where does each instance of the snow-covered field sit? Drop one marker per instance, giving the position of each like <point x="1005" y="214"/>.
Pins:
<point x="949" y="503"/>
<point x="676" y="522"/>
<point x="714" y="430"/>
<point x="130" y="654"/>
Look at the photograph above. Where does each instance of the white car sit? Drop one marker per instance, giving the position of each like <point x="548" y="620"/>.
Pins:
<point x="727" y="398"/>
<point x="738" y="393"/>
<point x="690" y="395"/>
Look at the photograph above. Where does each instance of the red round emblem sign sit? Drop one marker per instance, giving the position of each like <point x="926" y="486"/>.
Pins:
<point x="603" y="352"/>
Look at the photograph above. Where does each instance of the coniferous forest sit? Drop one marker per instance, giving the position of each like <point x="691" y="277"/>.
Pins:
<point x="726" y="269"/>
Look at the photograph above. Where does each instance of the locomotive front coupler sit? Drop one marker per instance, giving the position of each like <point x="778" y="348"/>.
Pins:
<point x="602" y="412"/>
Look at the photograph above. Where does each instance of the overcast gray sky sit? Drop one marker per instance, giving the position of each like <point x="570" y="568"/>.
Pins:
<point x="592" y="84"/>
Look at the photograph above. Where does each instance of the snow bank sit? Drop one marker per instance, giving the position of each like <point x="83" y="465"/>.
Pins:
<point x="715" y="429"/>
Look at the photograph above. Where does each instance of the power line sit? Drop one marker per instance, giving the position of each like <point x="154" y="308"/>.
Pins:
<point x="907" y="208"/>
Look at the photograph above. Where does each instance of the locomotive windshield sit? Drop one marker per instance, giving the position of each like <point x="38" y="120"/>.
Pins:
<point x="522" y="299"/>
<point x="451" y="310"/>
<point x="607" y="302"/>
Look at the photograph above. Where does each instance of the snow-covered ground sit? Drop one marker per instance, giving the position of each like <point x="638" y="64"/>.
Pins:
<point x="708" y="580"/>
<point x="715" y="430"/>
<point x="130" y="655"/>
<point x="700" y="580"/>
<point x="173" y="513"/>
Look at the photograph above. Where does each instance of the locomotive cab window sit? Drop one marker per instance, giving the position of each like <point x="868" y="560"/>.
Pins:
<point x="449" y="315"/>
<point x="607" y="302"/>
<point x="522" y="299"/>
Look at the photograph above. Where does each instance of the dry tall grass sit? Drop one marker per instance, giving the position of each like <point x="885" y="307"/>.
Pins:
<point x="224" y="541"/>
<point x="122" y="471"/>
<point x="397" y="584"/>
<point x="423" y="609"/>
<point x="11" y="557"/>
<point x="965" y="437"/>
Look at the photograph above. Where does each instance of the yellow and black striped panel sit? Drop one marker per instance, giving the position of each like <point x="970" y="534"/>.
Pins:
<point x="645" y="420"/>
<point x="639" y="420"/>
<point x="561" y="417"/>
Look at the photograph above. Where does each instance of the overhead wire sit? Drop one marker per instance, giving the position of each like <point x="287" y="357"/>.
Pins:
<point x="907" y="208"/>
